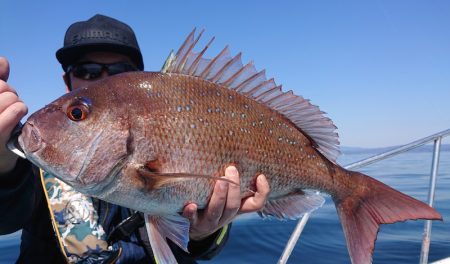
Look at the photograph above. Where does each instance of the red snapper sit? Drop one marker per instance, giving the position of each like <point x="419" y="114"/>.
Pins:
<point x="155" y="141"/>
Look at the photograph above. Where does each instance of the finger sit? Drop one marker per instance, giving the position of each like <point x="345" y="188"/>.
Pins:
<point x="10" y="117"/>
<point x="257" y="201"/>
<point x="7" y="99"/>
<point x="233" y="202"/>
<point x="214" y="210"/>
<point x="190" y="212"/>
<point x="4" y="69"/>
<point x="4" y="87"/>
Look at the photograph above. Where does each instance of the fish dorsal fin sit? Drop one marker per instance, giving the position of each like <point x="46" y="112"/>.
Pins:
<point x="230" y="72"/>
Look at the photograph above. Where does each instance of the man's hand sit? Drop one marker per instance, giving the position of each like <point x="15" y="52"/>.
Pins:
<point x="225" y="204"/>
<point x="12" y="109"/>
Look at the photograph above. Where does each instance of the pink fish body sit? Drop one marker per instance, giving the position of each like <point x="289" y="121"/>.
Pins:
<point x="154" y="142"/>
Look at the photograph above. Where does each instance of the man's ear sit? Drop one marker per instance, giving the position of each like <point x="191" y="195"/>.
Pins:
<point x="66" y="78"/>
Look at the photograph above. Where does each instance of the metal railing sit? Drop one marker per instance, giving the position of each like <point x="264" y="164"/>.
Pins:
<point x="437" y="138"/>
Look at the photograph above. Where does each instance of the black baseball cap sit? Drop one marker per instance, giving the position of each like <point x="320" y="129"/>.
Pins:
<point x="99" y="33"/>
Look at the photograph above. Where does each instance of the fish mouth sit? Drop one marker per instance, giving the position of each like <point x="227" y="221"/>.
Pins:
<point x="30" y="139"/>
<point x="13" y="142"/>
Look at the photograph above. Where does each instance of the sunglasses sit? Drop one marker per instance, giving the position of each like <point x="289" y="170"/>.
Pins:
<point x="91" y="70"/>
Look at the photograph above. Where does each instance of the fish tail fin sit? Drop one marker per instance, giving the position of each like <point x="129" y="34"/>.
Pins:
<point x="372" y="203"/>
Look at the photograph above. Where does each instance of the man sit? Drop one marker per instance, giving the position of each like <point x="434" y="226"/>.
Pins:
<point x="88" y="230"/>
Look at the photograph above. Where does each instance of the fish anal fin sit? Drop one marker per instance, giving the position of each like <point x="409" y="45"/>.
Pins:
<point x="160" y="228"/>
<point x="373" y="203"/>
<point x="293" y="205"/>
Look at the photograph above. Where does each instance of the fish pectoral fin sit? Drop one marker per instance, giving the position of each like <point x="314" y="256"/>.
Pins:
<point x="173" y="227"/>
<point x="293" y="205"/>
<point x="156" y="180"/>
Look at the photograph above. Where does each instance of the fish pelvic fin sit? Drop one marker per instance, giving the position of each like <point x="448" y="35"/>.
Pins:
<point x="293" y="205"/>
<point x="229" y="71"/>
<point x="160" y="228"/>
<point x="373" y="203"/>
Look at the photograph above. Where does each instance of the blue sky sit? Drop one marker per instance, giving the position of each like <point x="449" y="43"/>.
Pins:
<point x="380" y="69"/>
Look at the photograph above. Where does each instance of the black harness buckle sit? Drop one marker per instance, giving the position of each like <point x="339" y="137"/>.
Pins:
<point x="125" y="228"/>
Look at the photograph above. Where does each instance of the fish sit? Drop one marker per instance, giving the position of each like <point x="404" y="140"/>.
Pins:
<point x="156" y="141"/>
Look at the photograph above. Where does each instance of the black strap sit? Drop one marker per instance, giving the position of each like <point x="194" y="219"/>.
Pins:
<point x="104" y="257"/>
<point x="124" y="230"/>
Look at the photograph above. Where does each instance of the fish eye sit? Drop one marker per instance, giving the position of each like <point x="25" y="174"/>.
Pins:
<point x="78" y="111"/>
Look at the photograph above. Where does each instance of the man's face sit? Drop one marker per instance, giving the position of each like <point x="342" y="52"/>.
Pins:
<point x="101" y="58"/>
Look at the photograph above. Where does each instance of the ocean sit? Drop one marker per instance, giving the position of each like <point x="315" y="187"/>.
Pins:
<point x="253" y="240"/>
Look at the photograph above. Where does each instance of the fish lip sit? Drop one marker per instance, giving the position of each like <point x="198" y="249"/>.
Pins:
<point x="13" y="142"/>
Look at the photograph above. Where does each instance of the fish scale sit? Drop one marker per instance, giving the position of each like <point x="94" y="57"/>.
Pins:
<point x="227" y="135"/>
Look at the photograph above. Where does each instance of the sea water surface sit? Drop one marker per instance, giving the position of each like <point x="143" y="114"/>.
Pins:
<point x="253" y="240"/>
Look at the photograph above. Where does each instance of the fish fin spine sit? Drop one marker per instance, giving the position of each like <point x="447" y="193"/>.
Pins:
<point x="373" y="203"/>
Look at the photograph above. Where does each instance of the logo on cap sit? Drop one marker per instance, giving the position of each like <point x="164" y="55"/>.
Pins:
<point x="97" y="34"/>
